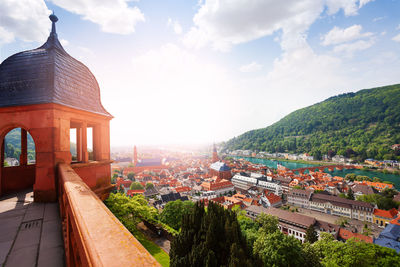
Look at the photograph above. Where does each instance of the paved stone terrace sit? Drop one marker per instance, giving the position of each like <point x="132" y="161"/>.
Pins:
<point x="30" y="233"/>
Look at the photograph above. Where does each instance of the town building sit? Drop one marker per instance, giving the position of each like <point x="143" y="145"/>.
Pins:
<point x="390" y="237"/>
<point x="341" y="207"/>
<point x="221" y="170"/>
<point x="299" y="197"/>
<point x="269" y="199"/>
<point x="294" y="224"/>
<point x="244" y="181"/>
<point x="331" y="204"/>
<point x="383" y="217"/>
<point x="219" y="186"/>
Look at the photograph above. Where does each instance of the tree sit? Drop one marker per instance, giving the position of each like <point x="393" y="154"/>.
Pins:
<point x="173" y="212"/>
<point x="136" y="186"/>
<point x="210" y="238"/>
<point x="350" y="194"/>
<point x="353" y="253"/>
<point x="149" y="186"/>
<point x="311" y="234"/>
<point x="268" y="223"/>
<point x="277" y="249"/>
<point x="131" y="176"/>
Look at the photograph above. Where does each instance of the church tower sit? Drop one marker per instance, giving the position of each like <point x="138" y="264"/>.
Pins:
<point x="215" y="154"/>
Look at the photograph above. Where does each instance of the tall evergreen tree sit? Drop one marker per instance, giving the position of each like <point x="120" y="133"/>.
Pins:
<point x="311" y="235"/>
<point x="211" y="238"/>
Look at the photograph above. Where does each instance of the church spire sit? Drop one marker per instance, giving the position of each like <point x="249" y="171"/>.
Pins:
<point x="215" y="154"/>
<point x="53" y="19"/>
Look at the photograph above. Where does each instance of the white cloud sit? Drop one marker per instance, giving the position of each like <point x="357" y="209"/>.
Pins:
<point x="396" y="38"/>
<point x="26" y="20"/>
<point x="176" y="26"/>
<point x="113" y="16"/>
<point x="349" y="48"/>
<point x="338" y="35"/>
<point x="64" y="42"/>
<point x="364" y="2"/>
<point x="5" y="36"/>
<point x="252" y="67"/>
<point x="224" y="23"/>
<point x="378" y="19"/>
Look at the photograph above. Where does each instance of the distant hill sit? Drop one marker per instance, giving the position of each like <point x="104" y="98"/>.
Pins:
<point x="360" y="125"/>
<point x="12" y="147"/>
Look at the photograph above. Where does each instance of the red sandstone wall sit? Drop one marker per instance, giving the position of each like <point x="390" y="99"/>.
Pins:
<point x="17" y="178"/>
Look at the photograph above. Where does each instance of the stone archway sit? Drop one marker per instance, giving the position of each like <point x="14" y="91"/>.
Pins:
<point x="20" y="170"/>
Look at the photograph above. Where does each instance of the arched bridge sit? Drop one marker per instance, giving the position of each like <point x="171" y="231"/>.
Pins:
<point x="327" y="167"/>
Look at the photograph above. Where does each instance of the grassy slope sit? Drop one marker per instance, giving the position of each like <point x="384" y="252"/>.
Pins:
<point x="160" y="255"/>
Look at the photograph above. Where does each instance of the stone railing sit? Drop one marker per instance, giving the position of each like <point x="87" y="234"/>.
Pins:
<point x="93" y="236"/>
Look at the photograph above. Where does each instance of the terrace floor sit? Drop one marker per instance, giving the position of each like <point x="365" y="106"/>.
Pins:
<point x="30" y="233"/>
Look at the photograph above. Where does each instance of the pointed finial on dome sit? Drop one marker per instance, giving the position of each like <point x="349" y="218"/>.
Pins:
<point x="53" y="19"/>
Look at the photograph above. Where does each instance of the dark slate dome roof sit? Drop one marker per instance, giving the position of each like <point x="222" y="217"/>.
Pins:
<point x="49" y="75"/>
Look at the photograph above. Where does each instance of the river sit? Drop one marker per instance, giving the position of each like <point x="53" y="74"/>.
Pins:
<point x="395" y="179"/>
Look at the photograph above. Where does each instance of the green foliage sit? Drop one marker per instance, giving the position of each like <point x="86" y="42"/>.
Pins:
<point x="173" y="212"/>
<point x="358" y="125"/>
<point x="350" y="194"/>
<point x="384" y="201"/>
<point x="136" y="186"/>
<point x="353" y="253"/>
<point x="12" y="147"/>
<point x="353" y="177"/>
<point x="211" y="238"/>
<point x="160" y="255"/>
<point x="311" y="235"/>
<point x="130" y="211"/>
<point x="149" y="186"/>
<point x="248" y="226"/>
<point x="268" y="223"/>
<point x="131" y="176"/>
<point x="277" y="249"/>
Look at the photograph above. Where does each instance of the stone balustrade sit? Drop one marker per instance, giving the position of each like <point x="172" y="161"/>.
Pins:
<point x="93" y="236"/>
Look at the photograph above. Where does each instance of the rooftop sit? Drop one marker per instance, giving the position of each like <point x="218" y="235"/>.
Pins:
<point x="48" y="74"/>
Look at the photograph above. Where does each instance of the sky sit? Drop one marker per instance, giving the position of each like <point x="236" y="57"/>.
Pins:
<point x="194" y="72"/>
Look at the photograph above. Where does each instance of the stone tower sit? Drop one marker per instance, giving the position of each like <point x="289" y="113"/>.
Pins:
<point x="46" y="92"/>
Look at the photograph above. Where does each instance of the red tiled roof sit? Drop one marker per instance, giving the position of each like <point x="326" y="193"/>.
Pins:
<point x="272" y="198"/>
<point x="133" y="192"/>
<point x="346" y="234"/>
<point x="390" y="214"/>
<point x="183" y="189"/>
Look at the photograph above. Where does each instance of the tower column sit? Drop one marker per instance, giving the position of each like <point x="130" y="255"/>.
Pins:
<point x="23" y="158"/>
<point x="85" y="155"/>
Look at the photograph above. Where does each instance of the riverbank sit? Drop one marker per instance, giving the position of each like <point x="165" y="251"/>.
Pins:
<point x="393" y="178"/>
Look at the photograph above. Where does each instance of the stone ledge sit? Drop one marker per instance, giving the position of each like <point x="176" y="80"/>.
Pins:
<point x="105" y="241"/>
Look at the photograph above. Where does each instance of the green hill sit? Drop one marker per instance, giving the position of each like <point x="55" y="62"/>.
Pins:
<point x="359" y="125"/>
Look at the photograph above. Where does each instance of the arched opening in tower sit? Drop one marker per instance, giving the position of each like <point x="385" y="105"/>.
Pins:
<point x="18" y="161"/>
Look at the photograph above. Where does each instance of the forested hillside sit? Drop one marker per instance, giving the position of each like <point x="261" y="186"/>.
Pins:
<point x="12" y="147"/>
<point x="360" y="125"/>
